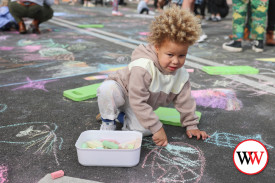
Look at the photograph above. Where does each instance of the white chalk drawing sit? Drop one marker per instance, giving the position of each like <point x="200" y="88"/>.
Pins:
<point x="39" y="136"/>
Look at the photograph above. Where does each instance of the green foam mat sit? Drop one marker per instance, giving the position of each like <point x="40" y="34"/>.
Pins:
<point x="229" y="70"/>
<point x="91" y="26"/>
<point x="170" y="116"/>
<point x="82" y="93"/>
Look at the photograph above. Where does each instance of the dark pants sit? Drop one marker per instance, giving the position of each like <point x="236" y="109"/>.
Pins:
<point x="271" y="15"/>
<point x="37" y="12"/>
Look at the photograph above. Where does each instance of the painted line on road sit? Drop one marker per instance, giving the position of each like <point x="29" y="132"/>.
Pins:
<point x="103" y="32"/>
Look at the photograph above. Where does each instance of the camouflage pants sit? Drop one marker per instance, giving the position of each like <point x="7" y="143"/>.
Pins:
<point x="258" y="18"/>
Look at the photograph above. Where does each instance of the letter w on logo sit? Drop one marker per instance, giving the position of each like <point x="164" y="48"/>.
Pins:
<point x="247" y="159"/>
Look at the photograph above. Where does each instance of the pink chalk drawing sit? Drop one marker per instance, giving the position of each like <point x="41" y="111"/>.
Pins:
<point x="217" y="98"/>
<point x="190" y="70"/>
<point x="3" y="174"/>
<point x="32" y="48"/>
<point x="6" y="48"/>
<point x="144" y="33"/>
<point x="39" y="85"/>
<point x="3" y="38"/>
<point x="34" y="57"/>
<point x="177" y="162"/>
<point x="96" y="77"/>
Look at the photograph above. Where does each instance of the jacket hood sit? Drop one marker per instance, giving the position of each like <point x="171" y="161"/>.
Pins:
<point x="148" y="52"/>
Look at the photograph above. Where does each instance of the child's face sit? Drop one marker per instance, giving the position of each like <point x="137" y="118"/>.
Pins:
<point x="171" y="55"/>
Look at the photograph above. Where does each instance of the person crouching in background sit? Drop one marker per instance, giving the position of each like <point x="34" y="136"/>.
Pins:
<point x="39" y="10"/>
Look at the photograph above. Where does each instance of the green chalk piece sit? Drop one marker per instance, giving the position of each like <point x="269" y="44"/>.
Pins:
<point x="82" y="93"/>
<point x="91" y="26"/>
<point x="130" y="146"/>
<point x="171" y="116"/>
<point x="229" y="70"/>
<point x="84" y="145"/>
<point x="110" y="145"/>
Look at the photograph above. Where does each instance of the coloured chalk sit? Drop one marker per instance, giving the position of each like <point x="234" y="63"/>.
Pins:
<point x="130" y="146"/>
<point x="170" y="116"/>
<point x="94" y="144"/>
<point x="91" y="26"/>
<point x="110" y="145"/>
<point x="82" y="93"/>
<point x="84" y="145"/>
<point x="229" y="70"/>
<point x="57" y="174"/>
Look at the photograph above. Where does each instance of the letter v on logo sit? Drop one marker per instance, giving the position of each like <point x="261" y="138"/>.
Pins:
<point x="246" y="153"/>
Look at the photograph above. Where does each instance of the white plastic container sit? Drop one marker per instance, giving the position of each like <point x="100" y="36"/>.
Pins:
<point x="108" y="157"/>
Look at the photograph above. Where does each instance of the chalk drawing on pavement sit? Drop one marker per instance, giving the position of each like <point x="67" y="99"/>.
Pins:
<point x="40" y="136"/>
<point x="3" y="173"/>
<point x="36" y="85"/>
<point x="217" y="98"/>
<point x="186" y="160"/>
<point x="223" y="139"/>
<point x="3" y="107"/>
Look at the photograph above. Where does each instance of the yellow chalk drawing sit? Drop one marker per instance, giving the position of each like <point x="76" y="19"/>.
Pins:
<point x="266" y="59"/>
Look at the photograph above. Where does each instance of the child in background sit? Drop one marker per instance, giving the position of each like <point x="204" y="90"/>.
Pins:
<point x="155" y="77"/>
<point x="142" y="7"/>
<point x="7" y="21"/>
<point x="115" y="11"/>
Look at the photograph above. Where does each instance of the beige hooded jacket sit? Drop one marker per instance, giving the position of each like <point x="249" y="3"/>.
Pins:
<point x="148" y="87"/>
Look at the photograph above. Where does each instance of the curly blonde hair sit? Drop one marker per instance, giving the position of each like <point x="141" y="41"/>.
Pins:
<point x="174" y="24"/>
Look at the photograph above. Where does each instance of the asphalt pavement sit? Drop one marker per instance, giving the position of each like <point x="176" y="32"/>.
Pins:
<point x="39" y="127"/>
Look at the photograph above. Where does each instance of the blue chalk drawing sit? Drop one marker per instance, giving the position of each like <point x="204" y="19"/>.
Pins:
<point x="105" y="67"/>
<point x="232" y="140"/>
<point x="3" y="107"/>
<point x="38" y="135"/>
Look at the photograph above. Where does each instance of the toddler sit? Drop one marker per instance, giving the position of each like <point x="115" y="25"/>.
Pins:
<point x="155" y="77"/>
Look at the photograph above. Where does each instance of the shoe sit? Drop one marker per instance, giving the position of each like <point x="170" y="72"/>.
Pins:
<point x="258" y="46"/>
<point x="34" y="26"/>
<point x="202" y="38"/>
<point x="117" y="13"/>
<point x="22" y="27"/>
<point x="112" y="124"/>
<point x="108" y="125"/>
<point x="270" y="38"/>
<point x="218" y="18"/>
<point x="233" y="46"/>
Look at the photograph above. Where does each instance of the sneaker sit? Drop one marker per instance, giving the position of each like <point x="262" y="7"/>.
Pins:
<point x="202" y="38"/>
<point x="117" y="13"/>
<point x="112" y="124"/>
<point x="233" y="46"/>
<point x="218" y="18"/>
<point x="108" y="125"/>
<point x="258" y="46"/>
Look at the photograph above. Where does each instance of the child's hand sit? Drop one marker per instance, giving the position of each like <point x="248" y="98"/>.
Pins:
<point x="160" y="138"/>
<point x="197" y="133"/>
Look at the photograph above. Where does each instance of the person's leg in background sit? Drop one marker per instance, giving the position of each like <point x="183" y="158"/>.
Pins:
<point x="115" y="11"/>
<point x="19" y="11"/>
<point x="188" y="5"/>
<point x="36" y="12"/>
<point x="270" y="35"/>
<point x="239" y="16"/>
<point x="258" y="24"/>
